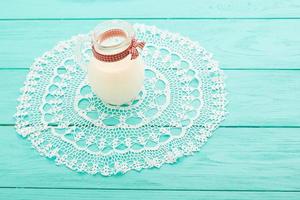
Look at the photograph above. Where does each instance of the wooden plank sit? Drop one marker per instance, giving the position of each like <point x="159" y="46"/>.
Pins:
<point x="62" y="194"/>
<point x="254" y="44"/>
<point x="256" y="98"/>
<point x="233" y="159"/>
<point x="164" y="9"/>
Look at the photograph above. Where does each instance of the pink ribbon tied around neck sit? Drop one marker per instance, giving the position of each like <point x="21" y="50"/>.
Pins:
<point x="133" y="48"/>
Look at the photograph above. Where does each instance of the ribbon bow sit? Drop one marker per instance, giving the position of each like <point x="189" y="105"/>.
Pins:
<point x="133" y="48"/>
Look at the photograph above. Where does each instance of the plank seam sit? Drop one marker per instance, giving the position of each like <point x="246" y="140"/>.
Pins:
<point x="149" y="189"/>
<point x="223" y="126"/>
<point x="225" y="69"/>
<point x="150" y="18"/>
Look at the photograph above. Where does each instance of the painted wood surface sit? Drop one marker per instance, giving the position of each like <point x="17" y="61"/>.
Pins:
<point x="254" y="155"/>
<point x="268" y="91"/>
<point x="234" y="159"/>
<point x="35" y="9"/>
<point x="49" y="194"/>
<point x="236" y="44"/>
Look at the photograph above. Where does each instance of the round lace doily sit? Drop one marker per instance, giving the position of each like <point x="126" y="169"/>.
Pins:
<point x="182" y="102"/>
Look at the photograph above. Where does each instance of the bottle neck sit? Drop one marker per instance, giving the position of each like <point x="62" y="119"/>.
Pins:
<point x="114" y="40"/>
<point x="112" y="37"/>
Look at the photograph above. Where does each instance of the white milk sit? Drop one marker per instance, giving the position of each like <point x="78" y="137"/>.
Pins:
<point x="115" y="82"/>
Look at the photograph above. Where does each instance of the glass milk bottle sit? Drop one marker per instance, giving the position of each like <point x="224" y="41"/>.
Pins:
<point x="116" y="70"/>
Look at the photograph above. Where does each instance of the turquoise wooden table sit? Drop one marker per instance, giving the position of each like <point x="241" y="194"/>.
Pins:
<point x="255" y="154"/>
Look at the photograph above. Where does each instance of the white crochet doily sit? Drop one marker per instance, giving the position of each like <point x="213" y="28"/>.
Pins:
<point x="182" y="103"/>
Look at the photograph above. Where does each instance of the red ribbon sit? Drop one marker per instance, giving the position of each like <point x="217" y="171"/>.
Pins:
<point x="132" y="49"/>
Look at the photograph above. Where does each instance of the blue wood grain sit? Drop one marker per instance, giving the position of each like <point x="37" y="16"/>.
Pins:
<point x="236" y="44"/>
<point x="234" y="159"/>
<point x="36" y="9"/>
<point x="266" y="91"/>
<point x="50" y="194"/>
<point x="257" y="43"/>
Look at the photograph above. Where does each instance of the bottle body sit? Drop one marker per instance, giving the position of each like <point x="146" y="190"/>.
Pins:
<point x="116" y="70"/>
<point x="117" y="82"/>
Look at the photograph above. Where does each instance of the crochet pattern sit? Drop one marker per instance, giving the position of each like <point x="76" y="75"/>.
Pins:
<point x="183" y="101"/>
